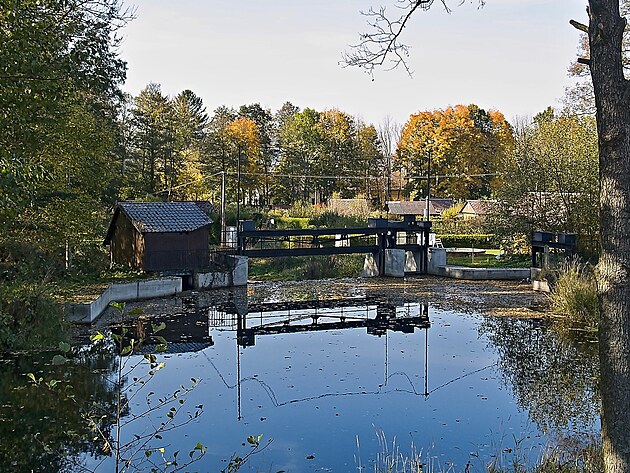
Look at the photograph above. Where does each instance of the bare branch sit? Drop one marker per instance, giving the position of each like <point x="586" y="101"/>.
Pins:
<point x="584" y="60"/>
<point x="579" y="26"/>
<point x="382" y="43"/>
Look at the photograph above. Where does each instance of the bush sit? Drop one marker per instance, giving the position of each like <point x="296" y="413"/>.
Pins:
<point x="574" y="293"/>
<point x="29" y="318"/>
<point x="291" y="222"/>
<point x="330" y="219"/>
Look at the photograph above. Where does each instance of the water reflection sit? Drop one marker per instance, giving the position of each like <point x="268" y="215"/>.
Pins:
<point x="553" y="377"/>
<point x="44" y="429"/>
<point x="313" y="369"/>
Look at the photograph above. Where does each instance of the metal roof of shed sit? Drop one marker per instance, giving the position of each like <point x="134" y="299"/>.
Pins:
<point x="163" y="217"/>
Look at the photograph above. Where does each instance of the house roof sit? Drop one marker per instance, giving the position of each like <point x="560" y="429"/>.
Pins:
<point x="162" y="217"/>
<point x="478" y="207"/>
<point x="416" y="207"/>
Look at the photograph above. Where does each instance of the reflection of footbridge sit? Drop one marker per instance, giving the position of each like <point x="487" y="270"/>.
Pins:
<point x="376" y="315"/>
<point x="310" y="316"/>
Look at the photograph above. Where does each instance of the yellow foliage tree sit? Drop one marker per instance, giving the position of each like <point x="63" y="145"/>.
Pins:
<point x="244" y="140"/>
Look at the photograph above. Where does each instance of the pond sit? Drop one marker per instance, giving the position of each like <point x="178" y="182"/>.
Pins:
<point x="335" y="377"/>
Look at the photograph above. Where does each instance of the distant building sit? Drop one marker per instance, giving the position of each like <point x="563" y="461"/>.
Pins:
<point x="160" y="236"/>
<point x="477" y="208"/>
<point x="416" y="207"/>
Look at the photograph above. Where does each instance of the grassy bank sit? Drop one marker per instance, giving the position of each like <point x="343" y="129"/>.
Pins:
<point x="489" y="259"/>
<point x="305" y="267"/>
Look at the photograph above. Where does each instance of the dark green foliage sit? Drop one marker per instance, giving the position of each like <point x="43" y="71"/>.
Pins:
<point x="332" y="220"/>
<point x="42" y="429"/>
<point x="29" y="318"/>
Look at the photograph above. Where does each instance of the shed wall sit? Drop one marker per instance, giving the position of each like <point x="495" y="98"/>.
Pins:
<point x="176" y="251"/>
<point x="127" y="244"/>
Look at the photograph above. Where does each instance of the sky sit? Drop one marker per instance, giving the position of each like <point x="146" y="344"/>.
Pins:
<point x="509" y="55"/>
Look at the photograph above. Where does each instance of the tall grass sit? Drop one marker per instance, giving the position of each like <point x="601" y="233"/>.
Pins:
<point x="574" y="294"/>
<point x="579" y="453"/>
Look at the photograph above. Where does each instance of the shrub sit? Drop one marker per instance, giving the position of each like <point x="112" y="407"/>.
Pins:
<point x="29" y="318"/>
<point x="574" y="293"/>
<point x="330" y="219"/>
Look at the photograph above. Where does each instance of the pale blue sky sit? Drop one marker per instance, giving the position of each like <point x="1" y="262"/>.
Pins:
<point x="511" y="55"/>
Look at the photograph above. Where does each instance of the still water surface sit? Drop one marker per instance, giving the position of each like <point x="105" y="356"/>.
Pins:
<point x="335" y="380"/>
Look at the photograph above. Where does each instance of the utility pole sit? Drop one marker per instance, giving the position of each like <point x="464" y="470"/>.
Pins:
<point x="223" y="235"/>
<point x="426" y="209"/>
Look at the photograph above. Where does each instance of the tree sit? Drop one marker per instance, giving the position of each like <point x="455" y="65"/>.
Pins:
<point x="550" y="180"/>
<point x="60" y="76"/>
<point x="580" y="97"/>
<point x="612" y="102"/>
<point x="153" y="138"/>
<point x="190" y="127"/>
<point x="268" y="155"/>
<point x="389" y="135"/>
<point x="372" y="164"/>
<point x="464" y="145"/>
<point x="244" y="150"/>
<point x="299" y="140"/>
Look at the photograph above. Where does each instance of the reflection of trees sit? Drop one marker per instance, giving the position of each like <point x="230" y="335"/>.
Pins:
<point x="554" y="378"/>
<point x="43" y="429"/>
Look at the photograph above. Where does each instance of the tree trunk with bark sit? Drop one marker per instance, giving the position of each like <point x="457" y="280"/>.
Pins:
<point x="612" y="98"/>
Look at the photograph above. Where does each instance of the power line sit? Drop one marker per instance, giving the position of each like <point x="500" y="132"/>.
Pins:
<point x="328" y="177"/>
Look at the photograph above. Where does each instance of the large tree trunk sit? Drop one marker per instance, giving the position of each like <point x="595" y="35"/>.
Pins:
<point x="612" y="98"/>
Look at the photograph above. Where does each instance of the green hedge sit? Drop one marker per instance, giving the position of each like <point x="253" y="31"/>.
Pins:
<point x="468" y="240"/>
<point x="284" y="223"/>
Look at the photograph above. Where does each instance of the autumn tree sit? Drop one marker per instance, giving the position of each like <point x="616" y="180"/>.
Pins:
<point x="267" y="157"/>
<point x="463" y="145"/>
<point x="244" y="150"/>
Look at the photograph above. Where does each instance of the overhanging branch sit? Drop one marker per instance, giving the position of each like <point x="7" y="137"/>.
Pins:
<point x="382" y="43"/>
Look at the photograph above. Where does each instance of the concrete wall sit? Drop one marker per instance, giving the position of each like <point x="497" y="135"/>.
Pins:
<point x="89" y="312"/>
<point x="395" y="263"/>
<point x="236" y="277"/>
<point x="539" y="282"/>
<point x="370" y="266"/>
<point x="437" y="258"/>
<point x="462" y="272"/>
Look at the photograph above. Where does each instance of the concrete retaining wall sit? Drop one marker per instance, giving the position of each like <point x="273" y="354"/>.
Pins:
<point x="395" y="263"/>
<point x="463" y="272"/>
<point x="539" y="281"/>
<point x="131" y="291"/>
<point x="236" y="277"/>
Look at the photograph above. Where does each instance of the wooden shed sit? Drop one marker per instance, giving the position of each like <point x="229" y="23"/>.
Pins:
<point x="160" y="236"/>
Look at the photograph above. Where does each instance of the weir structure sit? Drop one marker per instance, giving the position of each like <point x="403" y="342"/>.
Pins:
<point x="392" y="247"/>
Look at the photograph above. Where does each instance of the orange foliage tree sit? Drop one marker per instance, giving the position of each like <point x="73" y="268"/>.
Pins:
<point x="464" y="144"/>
